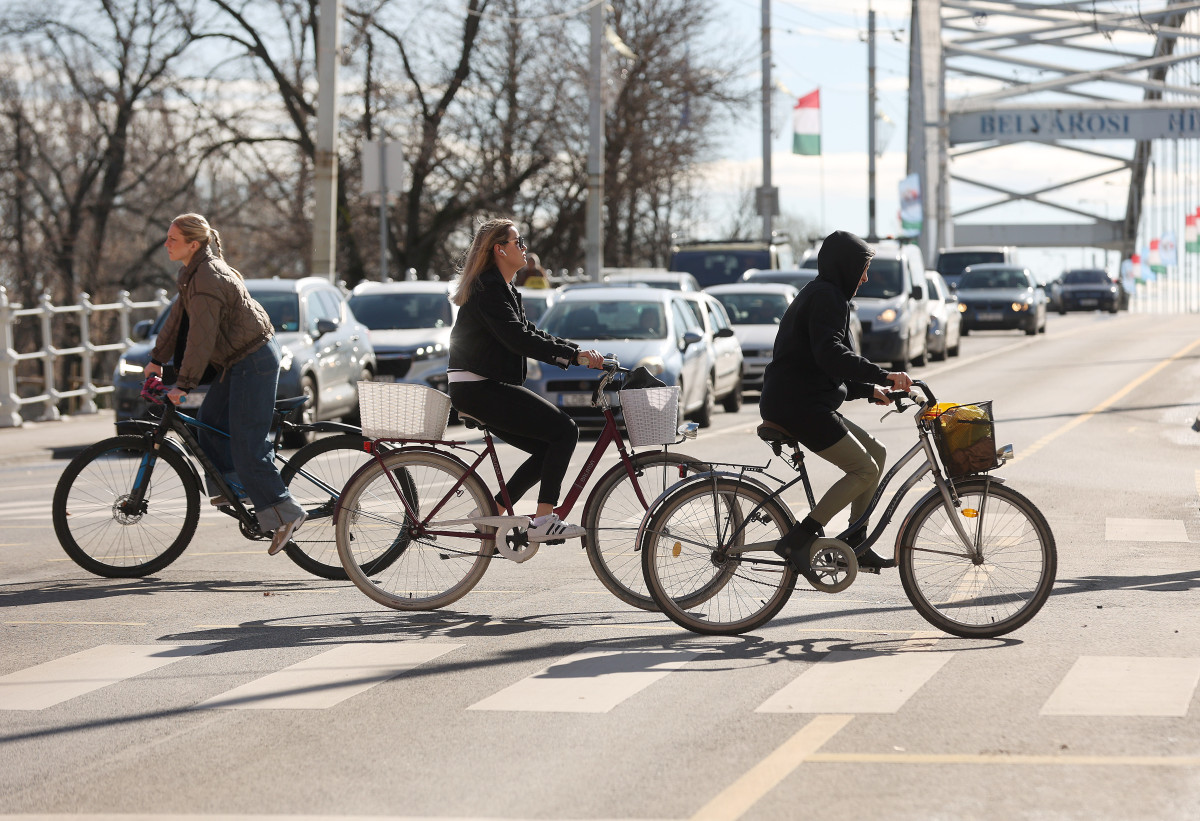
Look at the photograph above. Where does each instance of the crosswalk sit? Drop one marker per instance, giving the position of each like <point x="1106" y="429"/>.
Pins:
<point x="841" y="682"/>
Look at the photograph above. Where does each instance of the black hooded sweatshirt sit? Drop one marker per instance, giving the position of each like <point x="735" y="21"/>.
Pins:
<point x="813" y="368"/>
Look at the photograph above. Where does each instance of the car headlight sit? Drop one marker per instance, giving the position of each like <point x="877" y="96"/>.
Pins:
<point x="534" y="368"/>
<point x="125" y="368"/>
<point x="285" y="359"/>
<point x="429" y="351"/>
<point x="962" y="307"/>
<point x="654" y="364"/>
<point x="886" y="317"/>
<point x="1020" y="306"/>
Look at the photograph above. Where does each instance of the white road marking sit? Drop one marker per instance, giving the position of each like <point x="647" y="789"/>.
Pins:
<point x="587" y="682"/>
<point x="856" y="681"/>
<point x="1125" y="686"/>
<point x="1145" y="530"/>
<point x="53" y="682"/>
<point x="328" y="678"/>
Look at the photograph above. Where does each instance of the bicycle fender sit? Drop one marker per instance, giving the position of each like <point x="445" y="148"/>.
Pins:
<point x="933" y="492"/>
<point x="709" y="475"/>
<point x="330" y="427"/>
<point x="337" y="509"/>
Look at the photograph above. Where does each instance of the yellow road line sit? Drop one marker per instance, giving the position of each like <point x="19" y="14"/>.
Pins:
<point x="742" y="794"/>
<point x="1111" y="400"/>
<point x="1000" y="758"/>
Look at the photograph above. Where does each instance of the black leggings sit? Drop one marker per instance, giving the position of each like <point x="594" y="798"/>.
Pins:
<point x="527" y="422"/>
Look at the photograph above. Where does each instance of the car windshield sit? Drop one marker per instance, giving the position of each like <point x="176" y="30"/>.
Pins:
<point x="754" y="309"/>
<point x="401" y="311"/>
<point x="953" y="262"/>
<point x="1085" y="278"/>
<point x="993" y="279"/>
<point x="717" y="267"/>
<point x="796" y="278"/>
<point x="282" y="307"/>
<point x="534" y="306"/>
<point x="883" y="280"/>
<point x="601" y="319"/>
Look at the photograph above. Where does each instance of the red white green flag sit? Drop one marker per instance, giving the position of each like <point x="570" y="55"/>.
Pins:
<point x="806" y="124"/>
<point x="1189" y="234"/>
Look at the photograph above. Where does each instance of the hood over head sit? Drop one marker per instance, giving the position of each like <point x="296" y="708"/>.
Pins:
<point x="841" y="260"/>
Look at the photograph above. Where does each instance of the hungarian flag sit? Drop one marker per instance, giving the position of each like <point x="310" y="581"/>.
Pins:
<point x="806" y="124"/>
<point x="1189" y="234"/>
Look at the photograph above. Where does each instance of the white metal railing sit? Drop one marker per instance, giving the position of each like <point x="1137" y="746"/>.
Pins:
<point x="11" y="313"/>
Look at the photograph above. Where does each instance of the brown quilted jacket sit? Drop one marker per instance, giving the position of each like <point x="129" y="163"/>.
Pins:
<point x="225" y="322"/>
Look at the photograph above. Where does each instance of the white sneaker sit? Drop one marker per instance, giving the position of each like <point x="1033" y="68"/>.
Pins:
<point x="554" y="529"/>
<point x="283" y="535"/>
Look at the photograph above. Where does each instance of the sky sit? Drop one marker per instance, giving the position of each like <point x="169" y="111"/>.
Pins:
<point x="822" y="44"/>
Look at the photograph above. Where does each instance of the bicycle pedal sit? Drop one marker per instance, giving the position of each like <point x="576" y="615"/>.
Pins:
<point x="556" y="541"/>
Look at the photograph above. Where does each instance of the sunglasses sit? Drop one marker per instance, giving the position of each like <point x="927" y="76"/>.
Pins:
<point x="520" y="241"/>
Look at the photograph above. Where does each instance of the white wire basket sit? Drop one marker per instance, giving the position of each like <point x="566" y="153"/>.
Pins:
<point x="651" y="415"/>
<point x="402" y="410"/>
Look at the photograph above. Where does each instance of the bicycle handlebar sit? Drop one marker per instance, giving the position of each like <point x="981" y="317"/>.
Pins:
<point x="153" y="390"/>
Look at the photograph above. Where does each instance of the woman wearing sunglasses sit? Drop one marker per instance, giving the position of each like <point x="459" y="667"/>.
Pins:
<point x="488" y="348"/>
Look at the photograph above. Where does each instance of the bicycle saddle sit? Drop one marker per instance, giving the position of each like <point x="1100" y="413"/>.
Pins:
<point x="471" y="422"/>
<point x="774" y="435"/>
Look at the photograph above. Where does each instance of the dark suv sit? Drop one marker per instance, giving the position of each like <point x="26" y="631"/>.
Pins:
<point x="326" y="351"/>
<point x="723" y="261"/>
<point x="1089" y="289"/>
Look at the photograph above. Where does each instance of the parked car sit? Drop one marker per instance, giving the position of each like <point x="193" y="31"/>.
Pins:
<point x="796" y="277"/>
<point x="410" y="325"/>
<point x="1089" y="289"/>
<point x="536" y="301"/>
<point x="1053" y="289"/>
<point x="998" y="296"/>
<point x="755" y="309"/>
<point x="719" y="262"/>
<point x="951" y="261"/>
<point x="724" y="351"/>
<point x="651" y="327"/>
<point x="945" y="321"/>
<point x="326" y="351"/>
<point x="671" y="280"/>
<point x="893" y="307"/>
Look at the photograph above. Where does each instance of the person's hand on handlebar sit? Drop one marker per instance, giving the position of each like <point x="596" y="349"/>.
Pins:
<point x="881" y="396"/>
<point x="152" y="369"/>
<point x="900" y="380"/>
<point x="591" y="359"/>
<point x="176" y="396"/>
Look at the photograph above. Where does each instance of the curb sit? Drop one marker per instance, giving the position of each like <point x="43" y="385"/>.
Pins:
<point x="58" y="440"/>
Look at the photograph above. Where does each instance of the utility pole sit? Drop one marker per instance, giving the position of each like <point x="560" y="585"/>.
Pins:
<point x="871" y="235"/>
<point x="768" y="198"/>
<point x="324" y="253"/>
<point x="594" y="224"/>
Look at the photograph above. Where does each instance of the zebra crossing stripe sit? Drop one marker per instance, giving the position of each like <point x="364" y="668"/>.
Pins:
<point x="587" y="682"/>
<point x="1144" y="530"/>
<point x="328" y="678"/>
<point x="1125" y="686"/>
<point x="856" y="681"/>
<point x="53" y="682"/>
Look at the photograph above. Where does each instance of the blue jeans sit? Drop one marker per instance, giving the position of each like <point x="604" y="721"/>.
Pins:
<point x="242" y="401"/>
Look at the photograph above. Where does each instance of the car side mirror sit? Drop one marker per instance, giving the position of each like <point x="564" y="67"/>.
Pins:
<point x="326" y="326"/>
<point x="141" y="330"/>
<point x="724" y="333"/>
<point x="918" y="292"/>
<point x="691" y="338"/>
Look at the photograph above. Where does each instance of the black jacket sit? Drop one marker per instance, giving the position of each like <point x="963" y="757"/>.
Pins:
<point x="492" y="337"/>
<point x="813" y="367"/>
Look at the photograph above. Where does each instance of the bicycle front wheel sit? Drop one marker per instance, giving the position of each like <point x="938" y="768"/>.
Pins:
<point x="614" y="512"/>
<point x="993" y="593"/>
<point x="393" y="551"/>
<point x="692" y="564"/>
<point x="100" y="526"/>
<point x="315" y="476"/>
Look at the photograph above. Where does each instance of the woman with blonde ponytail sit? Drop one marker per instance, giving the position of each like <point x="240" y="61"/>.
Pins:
<point x="216" y="325"/>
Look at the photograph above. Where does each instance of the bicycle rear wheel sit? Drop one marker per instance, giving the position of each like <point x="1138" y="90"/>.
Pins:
<point x="691" y="571"/>
<point x="995" y="594"/>
<point x="98" y="525"/>
<point x="315" y="476"/>
<point x="390" y="554"/>
<point x="613" y="514"/>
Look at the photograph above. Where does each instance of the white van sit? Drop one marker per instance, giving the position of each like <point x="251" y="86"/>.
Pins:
<point x="951" y="261"/>
<point x="893" y="306"/>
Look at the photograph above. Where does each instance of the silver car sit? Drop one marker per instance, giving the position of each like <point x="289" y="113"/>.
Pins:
<point x="755" y="309"/>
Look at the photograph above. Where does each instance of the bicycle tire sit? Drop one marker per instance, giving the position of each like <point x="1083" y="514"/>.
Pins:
<point x="612" y="516"/>
<point x="978" y="600"/>
<point x="686" y="574"/>
<point x="116" y="544"/>
<point x="315" y="476"/>
<point x="424" y="572"/>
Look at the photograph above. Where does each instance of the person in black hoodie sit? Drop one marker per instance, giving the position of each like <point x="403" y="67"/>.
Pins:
<point x="813" y="370"/>
<point x="488" y="348"/>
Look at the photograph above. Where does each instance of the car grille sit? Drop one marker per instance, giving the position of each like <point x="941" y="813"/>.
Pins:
<point x="397" y="366"/>
<point x="990" y="305"/>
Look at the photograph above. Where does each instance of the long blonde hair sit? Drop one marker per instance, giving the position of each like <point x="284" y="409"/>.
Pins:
<point x="479" y="257"/>
<point x="195" y="228"/>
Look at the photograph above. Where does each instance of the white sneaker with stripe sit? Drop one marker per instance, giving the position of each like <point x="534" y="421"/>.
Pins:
<point x="554" y="529"/>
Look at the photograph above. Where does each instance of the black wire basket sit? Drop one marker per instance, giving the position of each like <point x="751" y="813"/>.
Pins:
<point x="965" y="436"/>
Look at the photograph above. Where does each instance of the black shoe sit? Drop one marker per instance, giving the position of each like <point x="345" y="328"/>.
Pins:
<point x="871" y="562"/>
<point x="853" y="540"/>
<point x="795" y="546"/>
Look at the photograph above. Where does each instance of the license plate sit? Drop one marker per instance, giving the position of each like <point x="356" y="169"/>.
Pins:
<point x="574" y="400"/>
<point x="989" y="317"/>
<point x="1087" y="303"/>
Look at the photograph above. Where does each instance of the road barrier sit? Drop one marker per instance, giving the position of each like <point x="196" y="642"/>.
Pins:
<point x="46" y="313"/>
